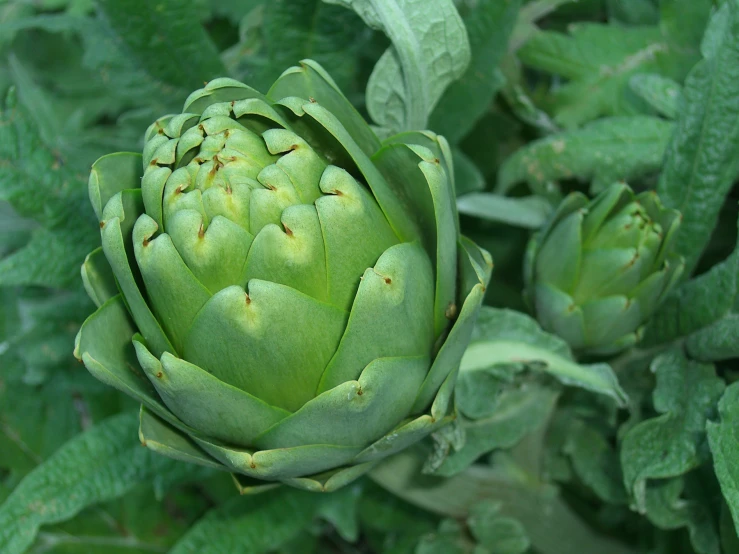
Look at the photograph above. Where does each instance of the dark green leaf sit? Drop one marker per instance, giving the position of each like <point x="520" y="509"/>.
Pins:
<point x="674" y="442"/>
<point x="605" y="151"/>
<point x="489" y="27"/>
<point x="99" y="465"/>
<point x="701" y="160"/>
<point x="251" y="524"/>
<point x="724" y="443"/>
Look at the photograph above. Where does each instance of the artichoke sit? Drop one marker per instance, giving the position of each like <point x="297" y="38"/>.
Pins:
<point x="286" y="296"/>
<point x="598" y="269"/>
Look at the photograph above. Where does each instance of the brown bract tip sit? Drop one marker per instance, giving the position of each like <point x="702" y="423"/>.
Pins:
<point x="102" y="224"/>
<point x="451" y="311"/>
<point x="248" y="298"/>
<point x="160" y="375"/>
<point x="201" y="231"/>
<point x="288" y="231"/>
<point x="311" y="100"/>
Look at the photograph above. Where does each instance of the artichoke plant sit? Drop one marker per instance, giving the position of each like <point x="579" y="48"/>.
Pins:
<point x="598" y="269"/>
<point x="286" y="296"/>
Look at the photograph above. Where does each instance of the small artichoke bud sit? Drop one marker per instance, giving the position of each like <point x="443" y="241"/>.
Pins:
<point x="599" y="269"/>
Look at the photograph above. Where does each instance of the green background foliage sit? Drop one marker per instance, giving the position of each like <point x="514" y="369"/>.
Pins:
<point x="550" y="454"/>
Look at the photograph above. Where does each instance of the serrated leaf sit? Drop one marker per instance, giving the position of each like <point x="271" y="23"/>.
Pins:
<point x="685" y="502"/>
<point x="39" y="185"/>
<point x="505" y="337"/>
<point x="598" y="61"/>
<point x="605" y="151"/>
<point x="530" y="13"/>
<point x="724" y="442"/>
<point x="430" y="50"/>
<point x="698" y="305"/>
<point x="701" y="160"/>
<point x="515" y="414"/>
<point x="104" y="463"/>
<point x="489" y="26"/>
<point x="498" y="534"/>
<point x="672" y="443"/>
<point x="529" y="212"/>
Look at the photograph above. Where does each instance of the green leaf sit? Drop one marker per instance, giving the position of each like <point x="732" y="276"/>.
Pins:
<point x="633" y="12"/>
<point x="505" y="337"/>
<point x="514" y="414"/>
<point x="701" y="160"/>
<point x="136" y="523"/>
<point x="255" y="523"/>
<point x="38" y="183"/>
<point x="467" y="176"/>
<point x="102" y="464"/>
<point x="674" y="442"/>
<point x="598" y="61"/>
<point x="499" y="534"/>
<point x="489" y="26"/>
<point x="605" y="151"/>
<point x="530" y="212"/>
<point x="724" y="442"/>
<point x="429" y="50"/>
<point x="703" y="311"/>
<point x="177" y="50"/>
<point x="560" y="531"/>
<point x="684" y="21"/>
<point x="530" y="13"/>
<point x="663" y="94"/>
<point x="340" y="508"/>
<point x="596" y="462"/>
<point x="289" y="31"/>
<point x="685" y="502"/>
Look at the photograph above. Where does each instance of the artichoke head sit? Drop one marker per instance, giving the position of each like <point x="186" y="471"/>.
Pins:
<point x="286" y="296"/>
<point x="598" y="270"/>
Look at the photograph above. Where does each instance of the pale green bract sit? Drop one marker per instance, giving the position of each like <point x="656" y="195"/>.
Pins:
<point x="599" y="268"/>
<point x="290" y="298"/>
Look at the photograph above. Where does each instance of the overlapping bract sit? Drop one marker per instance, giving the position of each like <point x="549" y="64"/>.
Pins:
<point x="600" y="268"/>
<point x="289" y="297"/>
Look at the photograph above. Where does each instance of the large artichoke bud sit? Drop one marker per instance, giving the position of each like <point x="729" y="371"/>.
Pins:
<point x="290" y="298"/>
<point x="597" y="271"/>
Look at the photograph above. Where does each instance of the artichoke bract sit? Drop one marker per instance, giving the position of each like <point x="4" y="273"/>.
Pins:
<point x="288" y="297"/>
<point x="598" y="269"/>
